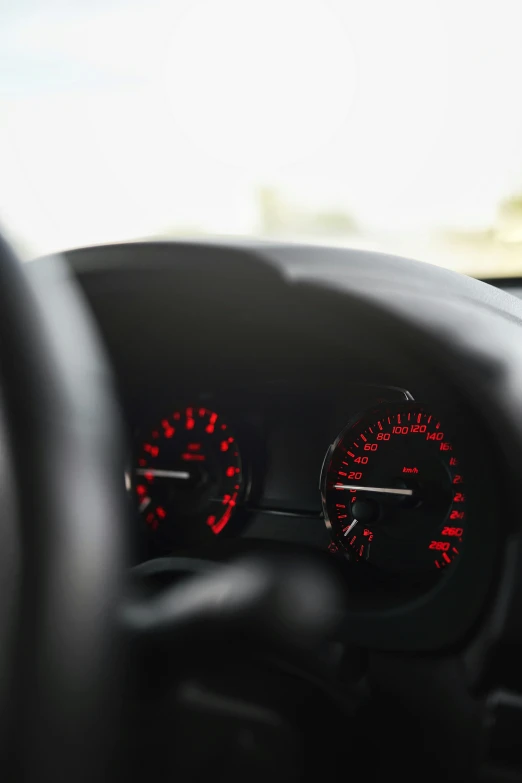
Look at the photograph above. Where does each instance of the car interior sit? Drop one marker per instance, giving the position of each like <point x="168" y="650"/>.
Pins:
<point x="309" y="551"/>
<point x="260" y="391"/>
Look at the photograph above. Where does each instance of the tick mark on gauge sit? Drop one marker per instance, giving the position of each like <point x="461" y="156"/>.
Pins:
<point x="145" y="503"/>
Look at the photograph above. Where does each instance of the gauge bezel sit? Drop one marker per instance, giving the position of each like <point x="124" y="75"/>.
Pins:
<point x="419" y="580"/>
<point x="144" y="550"/>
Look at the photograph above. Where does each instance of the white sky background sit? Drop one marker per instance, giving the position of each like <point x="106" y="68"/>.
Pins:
<point x="120" y="120"/>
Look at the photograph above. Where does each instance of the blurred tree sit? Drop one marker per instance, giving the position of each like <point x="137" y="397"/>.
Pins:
<point x="334" y="223"/>
<point x="276" y="216"/>
<point x="272" y="214"/>
<point x="511" y="207"/>
<point x="509" y="220"/>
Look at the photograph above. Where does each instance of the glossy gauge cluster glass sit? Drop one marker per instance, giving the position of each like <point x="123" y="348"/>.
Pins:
<point x="393" y="491"/>
<point x="188" y="478"/>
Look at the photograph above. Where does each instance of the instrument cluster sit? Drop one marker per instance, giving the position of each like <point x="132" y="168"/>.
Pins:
<point x="379" y="486"/>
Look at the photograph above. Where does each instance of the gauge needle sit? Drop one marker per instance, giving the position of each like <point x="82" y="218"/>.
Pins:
<point x="383" y="490"/>
<point x="173" y="474"/>
<point x="351" y="527"/>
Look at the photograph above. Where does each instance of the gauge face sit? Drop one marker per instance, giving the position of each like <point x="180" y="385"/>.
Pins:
<point x="188" y="478"/>
<point x="393" y="491"/>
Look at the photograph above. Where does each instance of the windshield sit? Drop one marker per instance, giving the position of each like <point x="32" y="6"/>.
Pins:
<point x="386" y="125"/>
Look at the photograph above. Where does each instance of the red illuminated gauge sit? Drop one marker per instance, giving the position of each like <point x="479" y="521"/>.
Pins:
<point x="188" y="479"/>
<point x="393" y="491"/>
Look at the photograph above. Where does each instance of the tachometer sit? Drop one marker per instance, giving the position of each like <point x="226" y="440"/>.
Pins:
<point x="189" y="478"/>
<point x="393" y="490"/>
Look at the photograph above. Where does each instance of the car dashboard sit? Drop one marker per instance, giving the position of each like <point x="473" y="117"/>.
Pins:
<point x="268" y="408"/>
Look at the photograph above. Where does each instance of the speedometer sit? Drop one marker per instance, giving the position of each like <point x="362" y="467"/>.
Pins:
<point x="189" y="479"/>
<point x="393" y="490"/>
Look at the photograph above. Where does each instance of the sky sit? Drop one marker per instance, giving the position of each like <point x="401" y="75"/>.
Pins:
<point x="123" y="120"/>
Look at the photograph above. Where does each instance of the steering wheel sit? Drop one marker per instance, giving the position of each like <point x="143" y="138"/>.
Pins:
<point x="62" y="523"/>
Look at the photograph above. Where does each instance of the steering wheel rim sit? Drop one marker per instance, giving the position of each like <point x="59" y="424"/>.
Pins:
<point x="62" y="556"/>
